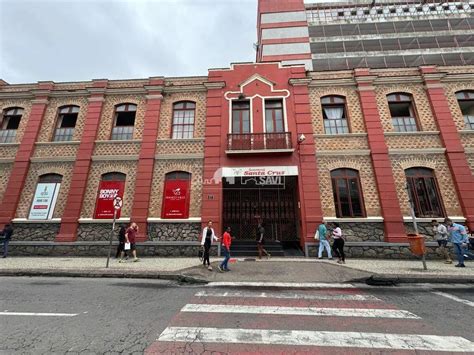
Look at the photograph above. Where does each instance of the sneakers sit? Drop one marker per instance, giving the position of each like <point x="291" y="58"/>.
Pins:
<point x="219" y="268"/>
<point x="269" y="255"/>
<point x="136" y="259"/>
<point x="121" y="261"/>
<point x="448" y="261"/>
<point x="320" y="257"/>
<point x="209" y="268"/>
<point x="226" y="270"/>
<point x="459" y="265"/>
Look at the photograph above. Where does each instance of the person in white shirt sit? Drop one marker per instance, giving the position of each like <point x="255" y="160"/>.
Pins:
<point x="338" y="245"/>
<point x="441" y="234"/>
<point x="208" y="235"/>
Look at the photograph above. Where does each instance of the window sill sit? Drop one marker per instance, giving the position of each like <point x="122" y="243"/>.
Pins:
<point x="417" y="133"/>
<point x="166" y="220"/>
<point x="93" y="220"/>
<point x="354" y="219"/>
<point x="325" y="135"/>
<point x="26" y="220"/>
<point x="429" y="219"/>
<point x="10" y="144"/>
<point x="58" y="143"/>
<point x="110" y="141"/>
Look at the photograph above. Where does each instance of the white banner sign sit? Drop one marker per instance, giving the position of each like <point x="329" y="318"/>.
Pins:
<point x="261" y="171"/>
<point x="44" y="201"/>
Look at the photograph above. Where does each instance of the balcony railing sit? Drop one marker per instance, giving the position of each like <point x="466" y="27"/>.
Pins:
<point x="259" y="141"/>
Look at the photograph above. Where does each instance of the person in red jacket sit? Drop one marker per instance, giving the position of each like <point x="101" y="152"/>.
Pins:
<point x="226" y="241"/>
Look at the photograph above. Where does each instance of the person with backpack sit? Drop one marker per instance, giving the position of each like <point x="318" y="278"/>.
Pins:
<point x="321" y="235"/>
<point x="338" y="245"/>
<point x="7" y="233"/>
<point x="261" y="242"/>
<point x="226" y="241"/>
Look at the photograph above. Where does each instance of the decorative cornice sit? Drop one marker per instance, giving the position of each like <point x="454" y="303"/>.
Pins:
<point x="300" y="81"/>
<point x="96" y="99"/>
<point x="58" y="143"/>
<point x="332" y="82"/>
<point x="126" y="91"/>
<point x="40" y="101"/>
<point x="458" y="77"/>
<point x="16" y="95"/>
<point x="196" y="156"/>
<point x="66" y="93"/>
<point x="184" y="88"/>
<point x="154" y="97"/>
<point x="52" y="159"/>
<point x="391" y="80"/>
<point x="6" y="160"/>
<point x="117" y="141"/>
<point x="214" y="85"/>
<point x="114" y="157"/>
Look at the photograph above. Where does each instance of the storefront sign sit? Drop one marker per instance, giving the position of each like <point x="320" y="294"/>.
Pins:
<point x="108" y="190"/>
<point x="260" y="171"/>
<point x="44" y="201"/>
<point x="176" y="199"/>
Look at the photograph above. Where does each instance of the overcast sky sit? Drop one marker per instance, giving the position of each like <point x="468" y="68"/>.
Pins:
<point x="69" y="40"/>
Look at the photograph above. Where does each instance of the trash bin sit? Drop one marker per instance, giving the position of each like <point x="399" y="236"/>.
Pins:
<point x="417" y="244"/>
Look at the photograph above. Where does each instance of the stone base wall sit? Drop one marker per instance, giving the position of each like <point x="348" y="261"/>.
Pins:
<point x="143" y="250"/>
<point x="35" y="231"/>
<point x="362" y="231"/>
<point x="96" y="231"/>
<point x="174" y="231"/>
<point x="424" y="229"/>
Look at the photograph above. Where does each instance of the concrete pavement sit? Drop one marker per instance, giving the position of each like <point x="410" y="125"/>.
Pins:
<point x="275" y="269"/>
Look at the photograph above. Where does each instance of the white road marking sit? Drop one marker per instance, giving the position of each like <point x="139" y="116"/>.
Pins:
<point x="38" y="314"/>
<point x="278" y="295"/>
<point x="454" y="298"/>
<point x="318" y="338"/>
<point x="301" y="311"/>
<point x="280" y="284"/>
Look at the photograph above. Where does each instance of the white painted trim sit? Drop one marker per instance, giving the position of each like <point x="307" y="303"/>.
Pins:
<point x="162" y="220"/>
<point x="285" y="295"/>
<point x="93" y="220"/>
<point x="324" y="339"/>
<point x="316" y="285"/>
<point x="43" y="221"/>
<point x="417" y="151"/>
<point x="6" y="313"/>
<point x="374" y="219"/>
<point x="439" y="219"/>
<point x="342" y="135"/>
<point x="121" y="141"/>
<point x="417" y="133"/>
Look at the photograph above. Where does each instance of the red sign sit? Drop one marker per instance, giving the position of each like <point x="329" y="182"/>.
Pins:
<point x="176" y="199"/>
<point x="108" y="190"/>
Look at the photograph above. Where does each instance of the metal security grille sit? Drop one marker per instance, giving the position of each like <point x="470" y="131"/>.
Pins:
<point x="246" y="202"/>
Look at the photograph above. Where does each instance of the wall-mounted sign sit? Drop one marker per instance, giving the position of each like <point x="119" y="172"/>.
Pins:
<point x="260" y="171"/>
<point x="44" y="201"/>
<point x="108" y="190"/>
<point x="176" y="199"/>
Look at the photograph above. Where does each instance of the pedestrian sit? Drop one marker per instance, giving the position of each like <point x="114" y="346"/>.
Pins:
<point x="441" y="234"/>
<point x="130" y="236"/>
<point x="121" y="245"/>
<point x="458" y="236"/>
<point x="322" y="232"/>
<point x="208" y="235"/>
<point x="7" y="233"/>
<point x="338" y="245"/>
<point x="261" y="242"/>
<point x="226" y="241"/>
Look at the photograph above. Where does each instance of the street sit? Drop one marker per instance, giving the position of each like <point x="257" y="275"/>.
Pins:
<point x="95" y="316"/>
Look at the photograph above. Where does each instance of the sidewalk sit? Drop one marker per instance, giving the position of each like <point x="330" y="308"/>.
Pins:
<point x="295" y="270"/>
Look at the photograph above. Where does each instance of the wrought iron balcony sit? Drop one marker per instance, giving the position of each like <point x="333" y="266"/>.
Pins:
<point x="259" y="142"/>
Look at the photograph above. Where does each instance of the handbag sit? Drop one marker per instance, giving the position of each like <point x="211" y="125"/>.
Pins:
<point x="316" y="235"/>
<point x="126" y="246"/>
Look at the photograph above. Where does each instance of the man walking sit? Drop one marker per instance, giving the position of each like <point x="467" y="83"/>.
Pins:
<point x="441" y="234"/>
<point x="322" y="232"/>
<point x="261" y="242"/>
<point x="458" y="236"/>
<point x="130" y="236"/>
<point x="7" y="233"/>
<point x="226" y="241"/>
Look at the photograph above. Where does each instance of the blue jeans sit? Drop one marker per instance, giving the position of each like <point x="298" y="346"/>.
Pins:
<point x="460" y="251"/>
<point x="324" y="244"/>
<point x="224" y="262"/>
<point x="5" y="247"/>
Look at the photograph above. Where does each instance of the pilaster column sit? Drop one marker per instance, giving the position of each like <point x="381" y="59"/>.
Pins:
<point x="393" y="219"/>
<point x="80" y="174"/>
<point x="461" y="174"/>
<point x="146" y="161"/>
<point x="21" y="165"/>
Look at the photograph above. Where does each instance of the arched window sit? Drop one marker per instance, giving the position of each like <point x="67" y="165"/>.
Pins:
<point x="402" y="112"/>
<point x="176" y="195"/>
<point x="334" y="114"/>
<point x="183" y="120"/>
<point x="111" y="185"/>
<point x="124" y="121"/>
<point x="347" y="193"/>
<point x="466" y="104"/>
<point x="65" y="124"/>
<point x="424" y="192"/>
<point x="9" y="123"/>
<point x="46" y="195"/>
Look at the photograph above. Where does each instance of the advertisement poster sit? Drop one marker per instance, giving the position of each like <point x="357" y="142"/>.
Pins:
<point x="104" y="207"/>
<point x="176" y="199"/>
<point x="44" y="201"/>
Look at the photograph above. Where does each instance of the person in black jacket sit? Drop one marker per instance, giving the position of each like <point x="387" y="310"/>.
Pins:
<point x="121" y="246"/>
<point x="261" y="242"/>
<point x="7" y="233"/>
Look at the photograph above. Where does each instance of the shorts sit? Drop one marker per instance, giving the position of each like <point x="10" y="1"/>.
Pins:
<point x="442" y="243"/>
<point x="132" y="246"/>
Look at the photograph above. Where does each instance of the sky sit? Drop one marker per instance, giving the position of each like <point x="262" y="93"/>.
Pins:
<point x="74" y="40"/>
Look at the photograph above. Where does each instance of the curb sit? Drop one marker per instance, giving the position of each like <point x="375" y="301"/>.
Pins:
<point x="393" y="280"/>
<point x="102" y="274"/>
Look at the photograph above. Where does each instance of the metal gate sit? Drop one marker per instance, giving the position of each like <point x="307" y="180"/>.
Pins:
<point x="247" y="202"/>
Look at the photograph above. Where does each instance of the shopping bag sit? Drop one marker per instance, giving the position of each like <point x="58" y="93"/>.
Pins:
<point x="316" y="235"/>
<point x="127" y="246"/>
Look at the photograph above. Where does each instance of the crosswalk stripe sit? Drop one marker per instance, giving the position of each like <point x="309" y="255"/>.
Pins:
<point x="455" y="298"/>
<point x="33" y="314"/>
<point x="279" y="284"/>
<point x="317" y="338"/>
<point x="302" y="311"/>
<point x="279" y="295"/>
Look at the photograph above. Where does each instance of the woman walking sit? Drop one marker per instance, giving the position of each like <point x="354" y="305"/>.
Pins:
<point x="226" y="241"/>
<point x="208" y="236"/>
<point x="338" y="245"/>
<point x="261" y="242"/>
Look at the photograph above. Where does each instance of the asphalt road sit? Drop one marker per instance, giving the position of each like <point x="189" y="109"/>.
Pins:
<point x="96" y="316"/>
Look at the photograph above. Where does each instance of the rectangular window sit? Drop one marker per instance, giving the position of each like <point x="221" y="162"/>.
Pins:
<point x="241" y="117"/>
<point x="334" y="115"/>
<point x="66" y="123"/>
<point x="401" y="110"/>
<point x="274" y="121"/>
<point x="9" y="124"/>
